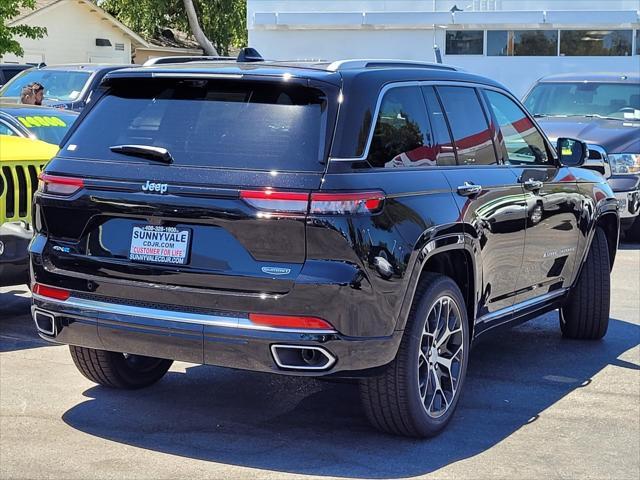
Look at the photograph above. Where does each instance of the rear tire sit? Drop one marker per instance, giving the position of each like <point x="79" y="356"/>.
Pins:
<point x="417" y="394"/>
<point x="585" y="315"/>
<point x="118" y="370"/>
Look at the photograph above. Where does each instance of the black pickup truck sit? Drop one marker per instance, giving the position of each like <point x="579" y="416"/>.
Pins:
<point x="602" y="109"/>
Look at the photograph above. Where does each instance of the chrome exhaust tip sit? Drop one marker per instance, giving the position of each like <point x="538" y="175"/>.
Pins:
<point x="302" y="357"/>
<point x="45" y="322"/>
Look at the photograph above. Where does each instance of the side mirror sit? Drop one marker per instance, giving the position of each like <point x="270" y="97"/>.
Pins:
<point x="573" y="153"/>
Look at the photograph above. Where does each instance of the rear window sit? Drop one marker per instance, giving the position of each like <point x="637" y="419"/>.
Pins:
<point x="210" y="123"/>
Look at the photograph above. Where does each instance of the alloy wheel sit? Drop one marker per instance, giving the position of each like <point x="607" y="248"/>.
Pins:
<point x="440" y="356"/>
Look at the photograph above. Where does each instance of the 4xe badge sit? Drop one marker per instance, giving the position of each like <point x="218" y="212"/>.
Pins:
<point x="160" y="188"/>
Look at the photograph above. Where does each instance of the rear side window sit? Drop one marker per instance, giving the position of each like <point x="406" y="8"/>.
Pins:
<point x="469" y="125"/>
<point x="520" y="141"/>
<point x="210" y="123"/>
<point x="443" y="146"/>
<point x="402" y="136"/>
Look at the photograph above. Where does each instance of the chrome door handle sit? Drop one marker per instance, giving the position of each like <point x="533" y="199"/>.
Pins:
<point x="469" y="189"/>
<point x="532" y="184"/>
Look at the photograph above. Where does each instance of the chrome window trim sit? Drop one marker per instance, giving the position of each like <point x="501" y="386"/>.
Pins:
<point x="436" y="83"/>
<point x="168" y="315"/>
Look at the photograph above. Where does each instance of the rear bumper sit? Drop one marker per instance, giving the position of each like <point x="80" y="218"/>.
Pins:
<point x="214" y="339"/>
<point x="14" y="255"/>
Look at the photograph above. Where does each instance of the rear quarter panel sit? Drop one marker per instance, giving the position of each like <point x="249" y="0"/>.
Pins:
<point x="419" y="207"/>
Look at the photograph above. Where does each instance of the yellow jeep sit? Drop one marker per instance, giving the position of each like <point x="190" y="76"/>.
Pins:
<point x="21" y="161"/>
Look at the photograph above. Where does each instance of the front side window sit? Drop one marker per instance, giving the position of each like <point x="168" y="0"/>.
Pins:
<point x="591" y="43"/>
<point x="520" y="141"/>
<point x="465" y="42"/>
<point x="402" y="136"/>
<point x="530" y="43"/>
<point x="469" y="126"/>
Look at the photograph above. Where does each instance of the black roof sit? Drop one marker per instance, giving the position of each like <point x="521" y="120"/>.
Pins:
<point x="307" y="70"/>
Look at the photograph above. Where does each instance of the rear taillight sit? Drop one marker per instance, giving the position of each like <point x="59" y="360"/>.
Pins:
<point x="319" y="203"/>
<point x="56" y="185"/>
<point x="51" y="292"/>
<point x="295" y="322"/>
<point x="346" y="203"/>
<point x="275" y="201"/>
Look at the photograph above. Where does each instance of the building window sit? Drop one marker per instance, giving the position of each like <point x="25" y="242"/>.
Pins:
<point x="120" y="47"/>
<point x="533" y="43"/>
<point x="591" y="43"/>
<point x="637" y="42"/>
<point x="465" y="42"/>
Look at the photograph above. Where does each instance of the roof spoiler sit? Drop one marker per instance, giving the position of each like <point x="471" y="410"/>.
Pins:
<point x="248" y="55"/>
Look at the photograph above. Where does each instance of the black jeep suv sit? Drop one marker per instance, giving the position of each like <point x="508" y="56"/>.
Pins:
<point x="360" y="219"/>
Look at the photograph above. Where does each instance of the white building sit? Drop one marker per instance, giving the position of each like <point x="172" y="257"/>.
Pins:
<point x="513" y="41"/>
<point x="78" y="31"/>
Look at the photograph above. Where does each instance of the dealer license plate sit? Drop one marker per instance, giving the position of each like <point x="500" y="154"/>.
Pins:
<point x="156" y="244"/>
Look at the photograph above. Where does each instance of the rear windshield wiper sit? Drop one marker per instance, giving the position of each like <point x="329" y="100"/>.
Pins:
<point x="145" y="151"/>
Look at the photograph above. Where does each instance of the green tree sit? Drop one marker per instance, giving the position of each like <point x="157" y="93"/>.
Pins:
<point x="223" y="22"/>
<point x="10" y="9"/>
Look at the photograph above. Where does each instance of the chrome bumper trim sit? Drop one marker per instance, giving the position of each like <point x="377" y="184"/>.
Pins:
<point x="88" y="306"/>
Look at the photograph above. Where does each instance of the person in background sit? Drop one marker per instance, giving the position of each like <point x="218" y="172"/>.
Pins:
<point x="32" y="94"/>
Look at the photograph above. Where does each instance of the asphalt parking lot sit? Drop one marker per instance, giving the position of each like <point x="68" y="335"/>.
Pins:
<point x="535" y="406"/>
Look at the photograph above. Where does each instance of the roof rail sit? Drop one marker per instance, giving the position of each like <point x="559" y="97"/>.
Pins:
<point x="351" y="64"/>
<point x="185" y="59"/>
